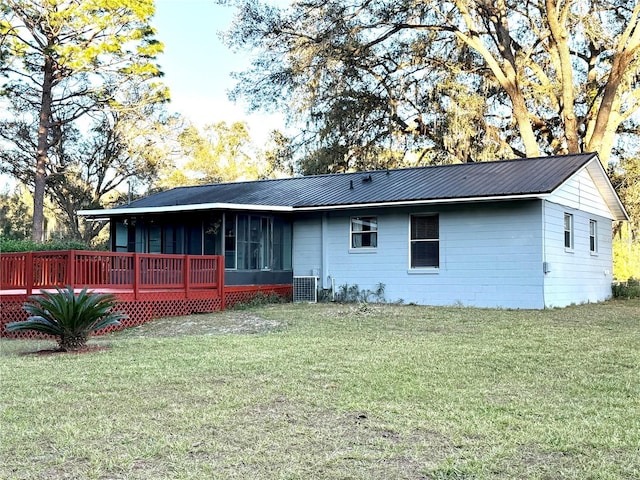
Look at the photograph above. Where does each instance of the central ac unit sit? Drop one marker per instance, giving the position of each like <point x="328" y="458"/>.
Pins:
<point x="305" y="289"/>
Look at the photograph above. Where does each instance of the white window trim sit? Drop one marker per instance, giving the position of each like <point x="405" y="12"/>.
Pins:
<point x="423" y="270"/>
<point x="569" y="249"/>
<point x="353" y="249"/>
<point x="593" y="222"/>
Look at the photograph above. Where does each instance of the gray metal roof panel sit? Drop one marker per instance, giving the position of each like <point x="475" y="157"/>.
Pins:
<point x="469" y="180"/>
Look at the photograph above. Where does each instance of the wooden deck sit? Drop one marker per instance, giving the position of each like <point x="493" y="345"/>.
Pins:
<point x="147" y="286"/>
<point x="134" y="273"/>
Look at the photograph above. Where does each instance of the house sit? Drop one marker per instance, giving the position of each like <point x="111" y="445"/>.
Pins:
<point x="527" y="233"/>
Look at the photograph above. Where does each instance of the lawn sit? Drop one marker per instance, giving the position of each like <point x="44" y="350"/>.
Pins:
<point x="333" y="391"/>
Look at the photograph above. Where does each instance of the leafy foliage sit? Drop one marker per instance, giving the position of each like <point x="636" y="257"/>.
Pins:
<point x="67" y="63"/>
<point x="625" y="177"/>
<point x="13" y="245"/>
<point x="222" y="152"/>
<point x="353" y="294"/>
<point x="259" y="299"/>
<point x="69" y="317"/>
<point x="91" y="170"/>
<point x="629" y="289"/>
<point x="446" y="81"/>
<point x="225" y="152"/>
<point x="15" y="215"/>
<point x="626" y="256"/>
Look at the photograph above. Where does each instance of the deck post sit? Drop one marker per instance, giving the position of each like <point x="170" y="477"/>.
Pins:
<point x="187" y="276"/>
<point x="28" y="273"/>
<point x="71" y="268"/>
<point x="221" y="282"/>
<point x="136" y="275"/>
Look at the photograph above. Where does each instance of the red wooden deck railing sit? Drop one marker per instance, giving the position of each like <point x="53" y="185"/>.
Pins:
<point x="146" y="286"/>
<point x="110" y="271"/>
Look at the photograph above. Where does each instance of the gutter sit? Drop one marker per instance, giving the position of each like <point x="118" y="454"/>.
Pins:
<point x="405" y="203"/>
<point x="114" y="212"/>
<point x="122" y="211"/>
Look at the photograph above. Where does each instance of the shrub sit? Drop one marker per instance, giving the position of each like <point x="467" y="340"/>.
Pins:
<point x="353" y="294"/>
<point x="11" y="245"/>
<point x="259" y="299"/>
<point x="69" y="317"/>
<point x="628" y="289"/>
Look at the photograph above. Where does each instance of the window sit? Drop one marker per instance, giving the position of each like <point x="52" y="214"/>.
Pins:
<point x="120" y="234"/>
<point x="254" y="242"/>
<point x="213" y="235"/>
<point x="593" y="236"/>
<point x="155" y="239"/>
<point x="193" y="242"/>
<point x="364" y="232"/>
<point x="230" y="241"/>
<point x="425" y="241"/>
<point x="568" y="231"/>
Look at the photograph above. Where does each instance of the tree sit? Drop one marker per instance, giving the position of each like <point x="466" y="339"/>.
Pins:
<point x="440" y="81"/>
<point x="625" y="178"/>
<point x="221" y="152"/>
<point x="118" y="152"/>
<point x="88" y="169"/>
<point x="278" y="156"/>
<point x="64" y="60"/>
<point x="15" y="215"/>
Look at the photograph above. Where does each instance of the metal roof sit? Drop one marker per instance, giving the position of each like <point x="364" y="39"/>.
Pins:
<point x="459" y="182"/>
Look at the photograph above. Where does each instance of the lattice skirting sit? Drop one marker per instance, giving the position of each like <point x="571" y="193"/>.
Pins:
<point x="142" y="311"/>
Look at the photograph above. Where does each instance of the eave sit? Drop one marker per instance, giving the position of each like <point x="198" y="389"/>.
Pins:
<point x="120" y="212"/>
<point x="124" y="211"/>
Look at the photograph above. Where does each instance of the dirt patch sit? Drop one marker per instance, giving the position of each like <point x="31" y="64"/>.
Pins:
<point x="216" y="323"/>
<point x="58" y="351"/>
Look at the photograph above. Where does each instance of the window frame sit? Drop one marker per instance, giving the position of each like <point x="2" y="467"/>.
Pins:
<point x="372" y="233"/>
<point x="593" y="236"/>
<point x="412" y="241"/>
<point x="568" y="233"/>
<point x="229" y="239"/>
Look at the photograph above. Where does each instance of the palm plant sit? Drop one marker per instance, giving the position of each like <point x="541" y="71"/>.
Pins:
<point x="69" y="317"/>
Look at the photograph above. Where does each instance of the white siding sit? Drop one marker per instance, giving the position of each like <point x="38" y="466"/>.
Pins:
<point x="577" y="275"/>
<point x="581" y="193"/>
<point x="490" y="255"/>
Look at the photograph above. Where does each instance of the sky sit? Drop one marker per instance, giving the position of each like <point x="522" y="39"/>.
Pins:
<point x="198" y="66"/>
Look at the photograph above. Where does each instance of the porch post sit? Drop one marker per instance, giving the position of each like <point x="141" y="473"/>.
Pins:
<point x="187" y="276"/>
<point x="28" y="273"/>
<point x="221" y="282"/>
<point x="136" y="275"/>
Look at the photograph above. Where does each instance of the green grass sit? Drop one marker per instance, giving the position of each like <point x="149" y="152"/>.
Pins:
<point x="334" y="392"/>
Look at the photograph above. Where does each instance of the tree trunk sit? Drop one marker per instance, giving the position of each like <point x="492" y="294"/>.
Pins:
<point x="71" y="342"/>
<point x="557" y="21"/>
<point x="44" y="126"/>
<point x="600" y="130"/>
<point x="505" y="72"/>
<point x="521" y="115"/>
<point x="628" y="47"/>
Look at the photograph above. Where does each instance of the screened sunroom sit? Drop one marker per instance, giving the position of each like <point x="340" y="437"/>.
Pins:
<point x="256" y="246"/>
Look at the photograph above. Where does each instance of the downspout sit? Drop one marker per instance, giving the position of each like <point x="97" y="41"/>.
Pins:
<point x="544" y="254"/>
<point x="324" y="272"/>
